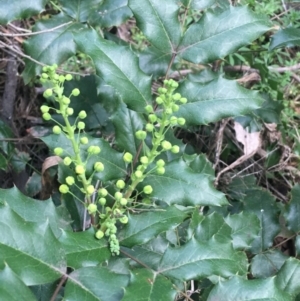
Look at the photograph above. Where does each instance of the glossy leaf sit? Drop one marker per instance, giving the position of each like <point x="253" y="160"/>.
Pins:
<point x="120" y="71"/>
<point x="197" y="260"/>
<point x="143" y="227"/>
<point x="238" y="288"/>
<point x="126" y="123"/>
<point x="245" y="228"/>
<point x="15" y="9"/>
<point x="287" y="37"/>
<point x="95" y="284"/>
<point x="202" y="4"/>
<point x="83" y="249"/>
<point x="186" y="187"/>
<point x="291" y="214"/>
<point x="12" y="288"/>
<point x="267" y="264"/>
<point x="217" y="35"/>
<point x="218" y="99"/>
<point x="158" y="20"/>
<point x="145" y="285"/>
<point x="52" y="47"/>
<point x="30" y="249"/>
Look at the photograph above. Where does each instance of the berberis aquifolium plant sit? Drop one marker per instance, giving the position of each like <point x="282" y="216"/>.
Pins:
<point x="136" y="215"/>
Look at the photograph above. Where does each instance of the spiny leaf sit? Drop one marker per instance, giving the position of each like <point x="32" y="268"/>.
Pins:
<point x="120" y="71"/>
<point x="287" y="37"/>
<point x="291" y="214"/>
<point x="186" y="187"/>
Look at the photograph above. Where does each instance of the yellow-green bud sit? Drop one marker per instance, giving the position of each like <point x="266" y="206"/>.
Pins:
<point x="82" y="114"/>
<point x="174" y="84"/>
<point x="141" y="135"/>
<point x="163" y="90"/>
<point x="70" y="180"/>
<point x="118" y="195"/>
<point x="176" y="96"/>
<point x="63" y="188"/>
<point x="66" y="100"/>
<point x="68" y="77"/>
<point x="44" y="109"/>
<point x="103" y="192"/>
<point x="84" y="140"/>
<point x="149" y="127"/>
<point x="127" y="157"/>
<point x="123" y="201"/>
<point x="138" y="174"/>
<point x="183" y="100"/>
<point x="94" y="150"/>
<point x="160" y="163"/>
<point x="175" y="149"/>
<point x="44" y="75"/>
<point x="92" y="208"/>
<point x="58" y="151"/>
<point x="159" y="100"/>
<point x="160" y="170"/>
<point x="169" y="111"/>
<point x="173" y="120"/>
<point x="102" y="201"/>
<point x="46" y="116"/>
<point x="98" y="166"/>
<point x="75" y="92"/>
<point x="67" y="161"/>
<point x="99" y="234"/>
<point x="166" y="145"/>
<point x="80" y="125"/>
<point x="120" y="184"/>
<point x="48" y="93"/>
<point x="56" y="76"/>
<point x="124" y="219"/>
<point x="56" y="130"/>
<point x="90" y="189"/>
<point x="61" y="78"/>
<point x="147" y="189"/>
<point x="152" y="118"/>
<point x="70" y="112"/>
<point x="144" y="160"/>
<point x="181" y="121"/>
<point x="149" y="109"/>
<point x="80" y="169"/>
<point x="175" y="107"/>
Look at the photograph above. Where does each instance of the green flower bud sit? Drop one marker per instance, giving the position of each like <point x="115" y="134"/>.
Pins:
<point x="68" y="77"/>
<point x="118" y="195"/>
<point x="166" y="145"/>
<point x="120" y="184"/>
<point x="173" y="120"/>
<point x="82" y="114"/>
<point x="123" y="201"/>
<point x="92" y="208"/>
<point x="80" y="125"/>
<point x="70" y="180"/>
<point x="163" y="90"/>
<point x="174" y="84"/>
<point x="144" y="160"/>
<point x="75" y="92"/>
<point x="169" y="111"/>
<point x="127" y="157"/>
<point x="70" y="112"/>
<point x="46" y="116"/>
<point x="56" y="130"/>
<point x="160" y="170"/>
<point x="152" y="118"/>
<point x="80" y="169"/>
<point x="183" y="100"/>
<point x="61" y="78"/>
<point x="45" y="69"/>
<point x="124" y="219"/>
<point x="175" y="149"/>
<point x="149" y="109"/>
<point x="148" y="189"/>
<point x="56" y="76"/>
<point x="44" y="109"/>
<point x="181" y="121"/>
<point x="149" y="127"/>
<point x="103" y="192"/>
<point x="160" y="163"/>
<point x="99" y="234"/>
<point x="159" y="100"/>
<point x="58" y="151"/>
<point x="84" y="140"/>
<point x="90" y="189"/>
<point x="65" y="100"/>
<point x="48" y="93"/>
<point x="176" y="96"/>
<point x="98" y="166"/>
<point x="138" y="174"/>
<point x="102" y="201"/>
<point x="63" y="188"/>
<point x="44" y="75"/>
<point x="141" y="135"/>
<point x="94" y="150"/>
<point x="67" y="161"/>
<point x="175" y="107"/>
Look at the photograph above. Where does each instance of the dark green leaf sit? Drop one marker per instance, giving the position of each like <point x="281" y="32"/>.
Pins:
<point x="200" y="164"/>
<point x="186" y="187"/>
<point x="196" y="260"/>
<point x="267" y="264"/>
<point x="245" y="228"/>
<point x="287" y="37"/>
<point x="45" y="292"/>
<point x="126" y="123"/>
<point x="158" y="21"/>
<point x="146" y="285"/>
<point x="120" y="71"/>
<point x="83" y="249"/>
<point x="144" y="226"/>
<point x="78" y="9"/>
<point x="202" y="4"/>
<point x="217" y="35"/>
<point x="15" y="9"/>
<point x="50" y="47"/>
<point x="111" y="13"/>
<point x="288" y="277"/>
<point x="291" y="215"/>
<point x="30" y="249"/>
<point x="218" y="99"/>
<point x="95" y="284"/>
<point x="12" y="288"/>
<point x="241" y="289"/>
<point x="33" y="185"/>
